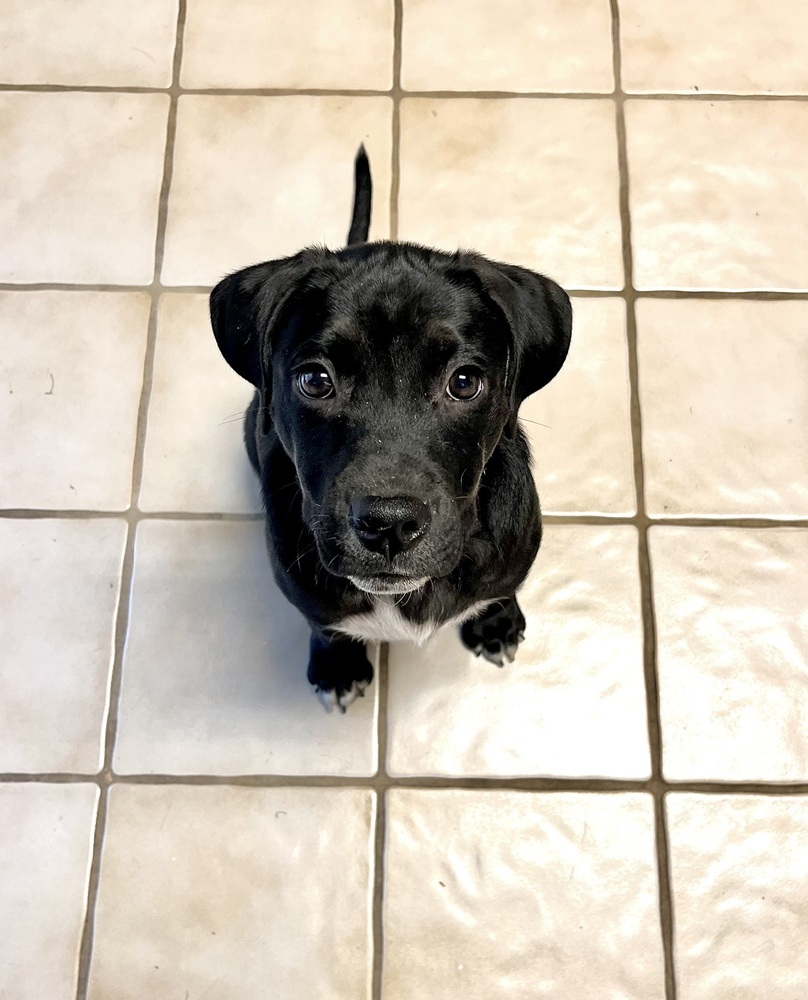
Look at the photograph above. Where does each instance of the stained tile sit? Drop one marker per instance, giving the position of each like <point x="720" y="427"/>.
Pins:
<point x="87" y="42"/>
<point x="573" y="703"/>
<point x="214" y="678"/>
<point x="472" y="45"/>
<point x="241" y="43"/>
<point x="717" y="192"/>
<point x="217" y="892"/>
<point x="70" y="382"/>
<point x="754" y="47"/>
<point x="46" y="835"/>
<point x="732" y="626"/>
<point x="579" y="426"/>
<point x="510" y="894"/>
<point x="740" y="867"/>
<point x="80" y="176"/>
<point x="56" y="654"/>
<point x="195" y="458"/>
<point x="530" y="182"/>
<point x="261" y="177"/>
<point x="725" y="411"/>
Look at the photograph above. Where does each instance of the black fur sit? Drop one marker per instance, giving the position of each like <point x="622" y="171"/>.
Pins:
<point x="389" y="323"/>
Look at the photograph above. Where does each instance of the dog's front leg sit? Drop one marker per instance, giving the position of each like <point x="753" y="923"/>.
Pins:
<point x="339" y="669"/>
<point x="496" y="633"/>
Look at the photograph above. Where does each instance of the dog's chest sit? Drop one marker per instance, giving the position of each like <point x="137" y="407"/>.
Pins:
<point x="385" y="623"/>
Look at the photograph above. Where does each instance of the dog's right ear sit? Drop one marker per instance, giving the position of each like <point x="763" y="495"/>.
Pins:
<point x="246" y="306"/>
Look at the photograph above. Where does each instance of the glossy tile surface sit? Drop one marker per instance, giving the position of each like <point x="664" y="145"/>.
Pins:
<point x="714" y="439"/>
<point x="311" y="44"/>
<point x="195" y="459"/>
<point x="739" y="868"/>
<point x="220" y="891"/>
<point x="724" y="205"/>
<point x="281" y="166"/>
<point x="214" y="675"/>
<point x="71" y="376"/>
<point x="80" y="176"/>
<point x="724" y="47"/>
<point x="732" y="620"/>
<point x="579" y="426"/>
<point x="495" y="894"/>
<point x="87" y="42"/>
<point x="56" y="653"/>
<point x="46" y="835"/>
<point x="472" y="45"/>
<point x="527" y="181"/>
<point x="573" y="703"/>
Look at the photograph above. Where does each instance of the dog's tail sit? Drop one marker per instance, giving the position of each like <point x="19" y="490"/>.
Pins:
<point x="363" y="195"/>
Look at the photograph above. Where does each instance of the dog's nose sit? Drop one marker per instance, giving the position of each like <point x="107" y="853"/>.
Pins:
<point x="389" y="524"/>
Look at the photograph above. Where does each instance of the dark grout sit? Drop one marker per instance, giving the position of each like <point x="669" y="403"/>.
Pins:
<point x="666" y="915"/>
<point x="133" y="515"/>
<point x="124" y="607"/>
<point x="495" y="95"/>
<point x="380" y="783"/>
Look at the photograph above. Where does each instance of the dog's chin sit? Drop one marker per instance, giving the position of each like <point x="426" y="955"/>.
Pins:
<point x="388" y="583"/>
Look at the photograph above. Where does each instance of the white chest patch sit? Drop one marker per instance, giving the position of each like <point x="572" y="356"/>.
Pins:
<point x="385" y="623"/>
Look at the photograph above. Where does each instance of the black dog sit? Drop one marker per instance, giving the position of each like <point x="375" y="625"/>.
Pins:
<point x="384" y="431"/>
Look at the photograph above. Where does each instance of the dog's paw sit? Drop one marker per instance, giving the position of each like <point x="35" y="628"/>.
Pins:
<point x="331" y="699"/>
<point x="496" y="635"/>
<point x="340" y="672"/>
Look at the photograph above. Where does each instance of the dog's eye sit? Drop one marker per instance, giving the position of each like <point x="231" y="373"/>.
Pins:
<point x="465" y="384"/>
<point x="315" y="382"/>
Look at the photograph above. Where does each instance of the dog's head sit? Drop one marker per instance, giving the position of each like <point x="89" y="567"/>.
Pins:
<point x="390" y="373"/>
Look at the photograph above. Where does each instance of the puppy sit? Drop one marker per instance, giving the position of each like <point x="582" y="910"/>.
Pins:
<point x="384" y="431"/>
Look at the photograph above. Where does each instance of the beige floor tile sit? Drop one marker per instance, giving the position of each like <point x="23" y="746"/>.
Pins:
<point x="71" y="368"/>
<point x="739" y="868"/>
<point x="261" y="177"/>
<point x="573" y="703"/>
<point x="195" y="458"/>
<point x="718" y="196"/>
<point x="235" y="892"/>
<point x="80" y="179"/>
<point x="46" y="835"/>
<point x="495" y="894"/>
<point x="56" y="654"/>
<point x="723" y="392"/>
<point x="579" y="427"/>
<point x="472" y="45"/>
<point x="732" y="625"/>
<point x="310" y="44"/>
<point x="214" y="678"/>
<point x="87" y="42"/>
<point x="530" y="182"/>
<point x="751" y="47"/>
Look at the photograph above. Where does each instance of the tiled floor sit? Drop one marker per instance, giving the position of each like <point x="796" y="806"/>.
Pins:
<point x="623" y="812"/>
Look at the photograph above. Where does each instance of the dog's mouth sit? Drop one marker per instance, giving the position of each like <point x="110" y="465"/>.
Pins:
<point x="388" y="583"/>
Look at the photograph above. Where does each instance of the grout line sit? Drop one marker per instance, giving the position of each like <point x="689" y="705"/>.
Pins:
<point x="747" y="295"/>
<point x="645" y="520"/>
<point x="491" y="95"/>
<point x="124" y="607"/>
<point x="381" y="783"/>
<point x="395" y="168"/>
<point x="666" y="917"/>
<point x="382" y="777"/>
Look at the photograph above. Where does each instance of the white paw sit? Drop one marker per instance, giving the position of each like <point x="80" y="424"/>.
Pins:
<point x="331" y="700"/>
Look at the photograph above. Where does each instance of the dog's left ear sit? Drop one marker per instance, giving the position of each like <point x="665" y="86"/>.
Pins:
<point x="539" y="315"/>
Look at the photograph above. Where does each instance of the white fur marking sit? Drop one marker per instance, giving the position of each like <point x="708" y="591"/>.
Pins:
<point x="385" y="623"/>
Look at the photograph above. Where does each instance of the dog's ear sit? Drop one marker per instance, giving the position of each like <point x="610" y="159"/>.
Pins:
<point x="246" y="306"/>
<point x="539" y="315"/>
